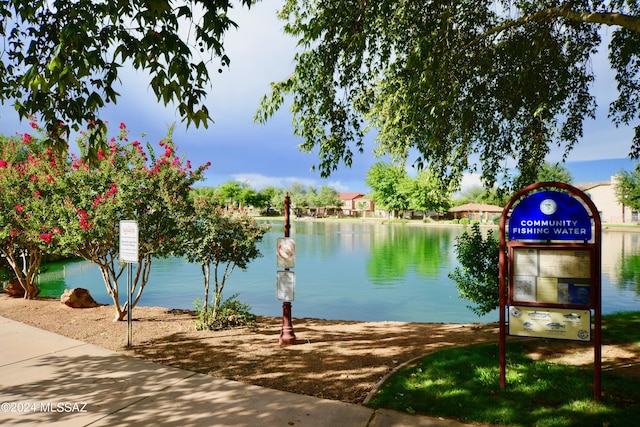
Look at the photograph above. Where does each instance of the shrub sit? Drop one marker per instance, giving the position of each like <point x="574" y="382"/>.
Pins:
<point x="465" y="221"/>
<point x="232" y="313"/>
<point x="477" y="279"/>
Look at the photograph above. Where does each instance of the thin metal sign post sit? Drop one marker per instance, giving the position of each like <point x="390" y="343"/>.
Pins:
<point x="286" y="278"/>
<point x="129" y="255"/>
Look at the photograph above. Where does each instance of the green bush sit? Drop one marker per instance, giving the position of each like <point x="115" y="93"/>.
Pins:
<point x="477" y="279"/>
<point x="465" y="221"/>
<point x="232" y="313"/>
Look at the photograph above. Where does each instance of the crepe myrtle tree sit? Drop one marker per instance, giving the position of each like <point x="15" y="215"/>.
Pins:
<point x="224" y="241"/>
<point x="126" y="182"/>
<point x="32" y="186"/>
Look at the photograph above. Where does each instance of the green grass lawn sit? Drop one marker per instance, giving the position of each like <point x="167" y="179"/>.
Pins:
<point x="463" y="383"/>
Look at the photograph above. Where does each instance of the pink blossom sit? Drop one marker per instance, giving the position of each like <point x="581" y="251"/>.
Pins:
<point x="20" y="208"/>
<point x="46" y="237"/>
<point x="3" y="163"/>
<point x="122" y="125"/>
<point x="84" y="219"/>
<point x="113" y="190"/>
<point x="100" y="154"/>
<point x="34" y="125"/>
<point x="14" y="233"/>
<point x="27" y="139"/>
<point x="37" y="195"/>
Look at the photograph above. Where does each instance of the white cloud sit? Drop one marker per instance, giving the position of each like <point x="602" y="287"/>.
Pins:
<point x="258" y="181"/>
<point x="470" y="180"/>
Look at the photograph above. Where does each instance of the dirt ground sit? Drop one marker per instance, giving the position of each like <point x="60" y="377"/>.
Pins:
<point x="336" y="360"/>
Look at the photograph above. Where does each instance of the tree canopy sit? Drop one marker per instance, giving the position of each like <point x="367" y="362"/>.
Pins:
<point x="62" y="59"/>
<point x="627" y="187"/>
<point x="454" y="86"/>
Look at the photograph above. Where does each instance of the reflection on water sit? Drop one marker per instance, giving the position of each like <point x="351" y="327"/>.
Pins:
<point x="352" y="271"/>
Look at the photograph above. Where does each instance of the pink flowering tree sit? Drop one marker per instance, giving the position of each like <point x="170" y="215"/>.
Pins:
<point x="128" y="181"/>
<point x="32" y="186"/>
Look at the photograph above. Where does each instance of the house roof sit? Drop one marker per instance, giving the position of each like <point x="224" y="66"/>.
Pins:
<point x="349" y="196"/>
<point x="585" y="186"/>
<point x="476" y="207"/>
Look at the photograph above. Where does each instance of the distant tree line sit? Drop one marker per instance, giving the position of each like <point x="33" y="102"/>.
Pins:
<point x="240" y="196"/>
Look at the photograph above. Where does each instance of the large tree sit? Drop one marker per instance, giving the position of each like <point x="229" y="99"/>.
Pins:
<point x="385" y="181"/>
<point x="127" y="182"/>
<point x="554" y="172"/>
<point x="424" y="193"/>
<point x="62" y="59"/>
<point x="447" y="82"/>
<point x="627" y="187"/>
<point x="32" y="189"/>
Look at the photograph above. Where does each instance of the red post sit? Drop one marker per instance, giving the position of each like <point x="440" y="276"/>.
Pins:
<point x="287" y="336"/>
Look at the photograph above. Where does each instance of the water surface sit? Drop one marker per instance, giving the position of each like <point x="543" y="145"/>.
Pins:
<point x="352" y="271"/>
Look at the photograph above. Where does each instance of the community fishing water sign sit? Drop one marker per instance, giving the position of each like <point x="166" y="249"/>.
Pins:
<point x="550" y="269"/>
<point x="550" y="215"/>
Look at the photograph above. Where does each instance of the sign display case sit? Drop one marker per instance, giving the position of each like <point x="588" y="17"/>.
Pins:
<point x="556" y="276"/>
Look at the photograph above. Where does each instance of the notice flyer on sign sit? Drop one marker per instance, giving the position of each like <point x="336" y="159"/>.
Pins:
<point x="551" y="276"/>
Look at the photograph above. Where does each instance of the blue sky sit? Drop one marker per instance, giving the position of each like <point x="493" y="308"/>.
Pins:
<point x="268" y="154"/>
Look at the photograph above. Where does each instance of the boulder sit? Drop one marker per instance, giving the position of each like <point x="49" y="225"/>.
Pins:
<point x="14" y="289"/>
<point x="78" y="298"/>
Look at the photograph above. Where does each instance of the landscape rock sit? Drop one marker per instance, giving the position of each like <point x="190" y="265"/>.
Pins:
<point x="14" y="289"/>
<point x="78" y="298"/>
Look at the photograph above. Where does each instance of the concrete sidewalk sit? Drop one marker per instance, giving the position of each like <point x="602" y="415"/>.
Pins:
<point x="48" y="379"/>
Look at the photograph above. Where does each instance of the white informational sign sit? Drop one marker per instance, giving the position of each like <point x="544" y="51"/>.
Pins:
<point x="129" y="241"/>
<point x="545" y="322"/>
<point x="285" y="285"/>
<point x="286" y="252"/>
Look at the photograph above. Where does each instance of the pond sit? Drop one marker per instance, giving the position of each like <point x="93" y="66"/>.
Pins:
<point x="351" y="271"/>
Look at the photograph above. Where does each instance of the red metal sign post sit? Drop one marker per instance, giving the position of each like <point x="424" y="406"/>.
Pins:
<point x="287" y="336"/>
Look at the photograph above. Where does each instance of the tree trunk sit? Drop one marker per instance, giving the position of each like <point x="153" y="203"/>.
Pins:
<point x="121" y="312"/>
<point x="31" y="290"/>
<point x="206" y="274"/>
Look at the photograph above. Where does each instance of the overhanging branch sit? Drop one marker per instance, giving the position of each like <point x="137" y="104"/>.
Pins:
<point x="630" y="22"/>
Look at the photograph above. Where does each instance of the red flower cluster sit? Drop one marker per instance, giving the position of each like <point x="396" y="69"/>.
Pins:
<point x="46" y="237"/>
<point x="102" y="198"/>
<point x="84" y="219"/>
